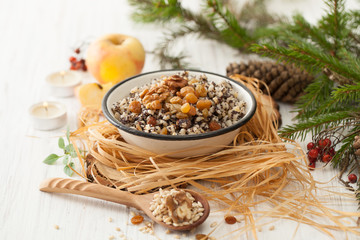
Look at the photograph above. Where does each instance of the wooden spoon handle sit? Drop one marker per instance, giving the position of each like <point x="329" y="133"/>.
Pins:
<point x="72" y="186"/>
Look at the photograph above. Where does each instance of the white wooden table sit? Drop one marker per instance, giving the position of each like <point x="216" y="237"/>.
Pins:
<point x="37" y="38"/>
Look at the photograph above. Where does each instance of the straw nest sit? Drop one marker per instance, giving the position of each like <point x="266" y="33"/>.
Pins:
<point x="258" y="171"/>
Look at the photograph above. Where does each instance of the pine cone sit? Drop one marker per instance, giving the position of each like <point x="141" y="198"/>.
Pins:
<point x="286" y="82"/>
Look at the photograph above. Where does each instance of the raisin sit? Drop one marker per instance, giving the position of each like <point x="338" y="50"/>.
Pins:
<point x="201" y="90"/>
<point x="151" y="120"/>
<point x="135" y="107"/>
<point x="137" y="219"/>
<point x="213" y="125"/>
<point x="202" y="104"/>
<point x="192" y="111"/>
<point x="175" y="100"/>
<point x="230" y="220"/>
<point x="186" y="90"/>
<point x="154" y="105"/>
<point x="191" y="98"/>
<point x="185" y="108"/>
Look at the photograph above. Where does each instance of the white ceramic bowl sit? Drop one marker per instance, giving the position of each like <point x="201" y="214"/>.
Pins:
<point x="177" y="145"/>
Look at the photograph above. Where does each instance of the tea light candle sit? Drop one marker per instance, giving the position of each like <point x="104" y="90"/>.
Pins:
<point x="63" y="83"/>
<point x="48" y="115"/>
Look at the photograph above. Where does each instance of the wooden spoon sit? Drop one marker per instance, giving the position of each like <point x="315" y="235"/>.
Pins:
<point x="141" y="202"/>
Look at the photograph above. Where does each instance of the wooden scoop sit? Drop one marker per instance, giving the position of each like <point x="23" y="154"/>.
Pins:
<point x="141" y="202"/>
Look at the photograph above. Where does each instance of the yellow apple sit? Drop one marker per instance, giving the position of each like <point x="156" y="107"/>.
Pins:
<point x="114" y="57"/>
<point x="91" y="94"/>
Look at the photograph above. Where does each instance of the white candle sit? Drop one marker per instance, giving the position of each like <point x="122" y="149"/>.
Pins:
<point x="63" y="83"/>
<point x="48" y="115"/>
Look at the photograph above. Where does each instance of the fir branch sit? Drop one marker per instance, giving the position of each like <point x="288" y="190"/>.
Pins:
<point x="305" y="55"/>
<point x="315" y="124"/>
<point x="254" y="14"/>
<point x="316" y="93"/>
<point x="345" y="149"/>
<point x="302" y="28"/>
<point x="215" y="22"/>
<point x="342" y="98"/>
<point x="346" y="94"/>
<point x="334" y="23"/>
<point x="156" y="11"/>
<point x="229" y="28"/>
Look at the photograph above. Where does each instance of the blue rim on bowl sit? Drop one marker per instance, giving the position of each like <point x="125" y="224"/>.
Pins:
<point x="109" y="116"/>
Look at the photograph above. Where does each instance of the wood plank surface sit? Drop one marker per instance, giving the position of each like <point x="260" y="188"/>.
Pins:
<point x="37" y="38"/>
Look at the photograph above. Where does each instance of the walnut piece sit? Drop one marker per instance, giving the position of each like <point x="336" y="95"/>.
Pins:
<point x="175" y="81"/>
<point x="155" y="96"/>
<point x="179" y="207"/>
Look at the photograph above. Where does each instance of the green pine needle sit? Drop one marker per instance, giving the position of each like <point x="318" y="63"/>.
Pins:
<point x="315" y="124"/>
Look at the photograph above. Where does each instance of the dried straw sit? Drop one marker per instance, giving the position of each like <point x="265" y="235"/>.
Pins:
<point x="259" y="171"/>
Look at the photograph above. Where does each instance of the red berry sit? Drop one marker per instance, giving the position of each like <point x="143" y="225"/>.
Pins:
<point x="78" y="65"/>
<point x="323" y="143"/>
<point x="313" y="153"/>
<point x="72" y="59"/>
<point x="312" y="165"/>
<point x="72" y="67"/>
<point x="332" y="151"/>
<point x="84" y="67"/>
<point x="312" y="159"/>
<point x="77" y="51"/>
<point x="326" y="158"/>
<point x="320" y="150"/>
<point x="352" y="178"/>
<point x="310" y="145"/>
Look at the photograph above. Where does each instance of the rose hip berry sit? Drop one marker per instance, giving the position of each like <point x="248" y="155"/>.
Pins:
<point x="332" y="151"/>
<point x="312" y="165"/>
<point x="326" y="158"/>
<point x="72" y="59"/>
<point x="313" y="153"/>
<point x="352" y="178"/>
<point x="324" y="143"/>
<point x="310" y="145"/>
<point x="312" y="159"/>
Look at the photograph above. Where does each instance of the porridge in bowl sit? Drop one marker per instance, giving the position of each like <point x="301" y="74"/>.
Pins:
<point x="180" y="104"/>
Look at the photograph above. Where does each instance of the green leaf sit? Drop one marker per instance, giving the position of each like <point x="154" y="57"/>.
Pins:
<point x="67" y="170"/>
<point x="66" y="159"/>
<point x="61" y="143"/>
<point x="51" y="159"/>
<point x="69" y="149"/>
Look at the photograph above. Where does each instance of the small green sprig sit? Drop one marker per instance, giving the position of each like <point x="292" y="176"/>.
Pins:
<point x="67" y="157"/>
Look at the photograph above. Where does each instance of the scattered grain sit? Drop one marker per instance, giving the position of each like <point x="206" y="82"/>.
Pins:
<point x="176" y="207"/>
<point x="213" y="224"/>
